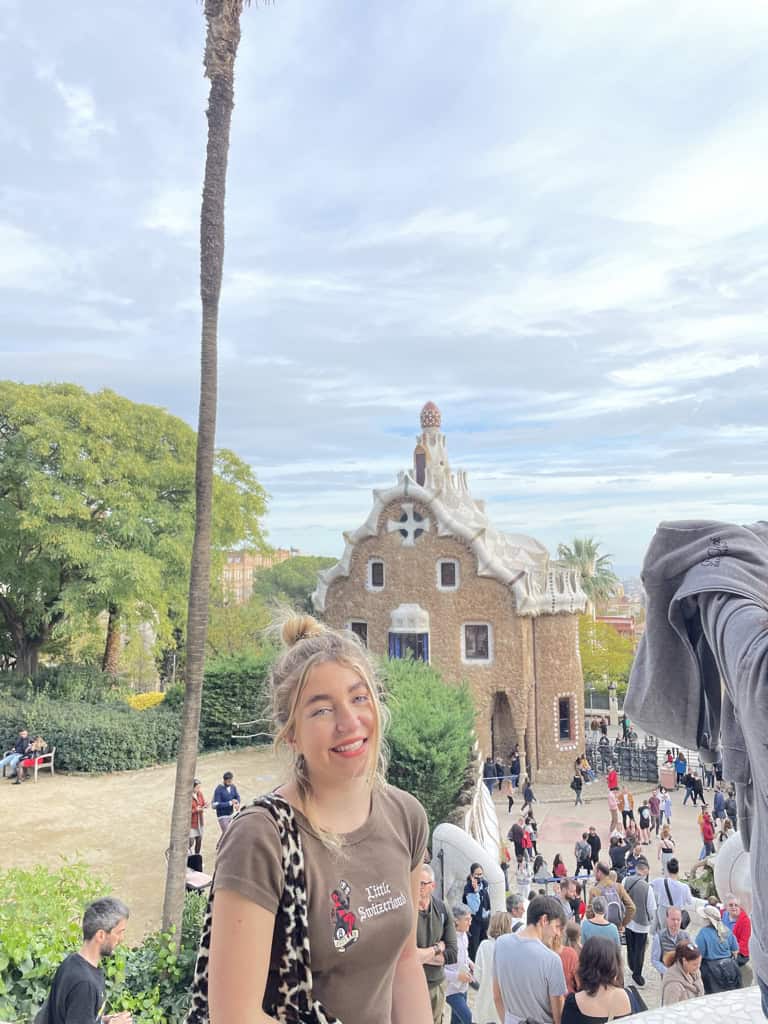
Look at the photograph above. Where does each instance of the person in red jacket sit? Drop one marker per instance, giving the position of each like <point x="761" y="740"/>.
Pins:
<point x="737" y="920"/>
<point x="707" y="834"/>
<point x="613" y="779"/>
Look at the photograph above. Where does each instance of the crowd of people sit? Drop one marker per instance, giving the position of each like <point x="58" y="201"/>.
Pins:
<point x="561" y="955"/>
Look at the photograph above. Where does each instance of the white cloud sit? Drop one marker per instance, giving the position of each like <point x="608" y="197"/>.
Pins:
<point x="83" y="118"/>
<point x="28" y="263"/>
<point x="686" y="366"/>
<point x="175" y="211"/>
<point x="244" y="285"/>
<point x="466" y="226"/>
<point x="718" y="187"/>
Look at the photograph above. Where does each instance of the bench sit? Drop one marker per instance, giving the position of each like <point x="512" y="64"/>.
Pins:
<point x="41" y="761"/>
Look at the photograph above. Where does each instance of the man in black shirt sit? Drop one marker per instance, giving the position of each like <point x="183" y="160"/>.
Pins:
<point x="77" y="994"/>
<point x="594" y="842"/>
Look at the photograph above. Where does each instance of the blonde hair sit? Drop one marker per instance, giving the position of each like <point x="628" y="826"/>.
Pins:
<point x="309" y="643"/>
<point x="500" y="924"/>
<point x="666" y="831"/>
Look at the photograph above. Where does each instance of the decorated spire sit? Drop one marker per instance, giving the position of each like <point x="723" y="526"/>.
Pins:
<point x="430" y="417"/>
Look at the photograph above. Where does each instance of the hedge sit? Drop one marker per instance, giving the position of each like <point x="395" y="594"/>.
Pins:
<point x="431" y="735"/>
<point x="95" y="737"/>
<point x="235" y="689"/>
<point x="66" y="682"/>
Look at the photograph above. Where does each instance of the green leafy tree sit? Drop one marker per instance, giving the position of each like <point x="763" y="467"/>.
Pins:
<point x="606" y="655"/>
<point x="236" y="628"/>
<point x="430" y="736"/>
<point x="97" y="514"/>
<point x="291" y="582"/>
<point x="598" y="580"/>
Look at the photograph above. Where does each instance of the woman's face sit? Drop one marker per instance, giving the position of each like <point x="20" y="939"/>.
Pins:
<point x="335" y="724"/>
<point x="477" y="878"/>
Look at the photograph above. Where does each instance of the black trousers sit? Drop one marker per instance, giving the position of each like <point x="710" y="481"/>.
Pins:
<point x="636" y="943"/>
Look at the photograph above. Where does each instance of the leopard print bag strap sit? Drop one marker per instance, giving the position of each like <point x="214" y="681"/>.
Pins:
<point x="291" y="935"/>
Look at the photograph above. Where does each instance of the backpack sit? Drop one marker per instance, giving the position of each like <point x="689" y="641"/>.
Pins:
<point x="615" y="910"/>
<point x="583" y="851"/>
<point x="641" y="900"/>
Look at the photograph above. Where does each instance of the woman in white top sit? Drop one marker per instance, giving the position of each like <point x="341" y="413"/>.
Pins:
<point x="459" y="975"/>
<point x="485" y="1008"/>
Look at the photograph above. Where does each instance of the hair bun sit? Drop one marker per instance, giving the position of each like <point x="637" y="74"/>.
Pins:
<point x="300" y="627"/>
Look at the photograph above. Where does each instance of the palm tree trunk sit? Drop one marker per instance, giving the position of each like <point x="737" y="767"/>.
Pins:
<point x="111" y="660"/>
<point x="222" y="39"/>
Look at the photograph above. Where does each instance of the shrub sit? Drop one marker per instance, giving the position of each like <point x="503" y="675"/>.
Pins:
<point x="143" y="701"/>
<point x="96" y="738"/>
<point x="235" y="689"/>
<point x="431" y="735"/>
<point x="66" y="682"/>
<point x="40" y="917"/>
<point x="174" y="696"/>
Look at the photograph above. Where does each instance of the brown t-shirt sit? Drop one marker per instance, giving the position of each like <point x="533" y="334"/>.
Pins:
<point x="360" y="907"/>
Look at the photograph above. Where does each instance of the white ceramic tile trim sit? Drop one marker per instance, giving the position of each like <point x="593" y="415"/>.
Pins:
<point x="739" y="1007"/>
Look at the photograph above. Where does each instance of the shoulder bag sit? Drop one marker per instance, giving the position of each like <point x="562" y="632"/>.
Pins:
<point x="296" y="1004"/>
<point x="685" y="917"/>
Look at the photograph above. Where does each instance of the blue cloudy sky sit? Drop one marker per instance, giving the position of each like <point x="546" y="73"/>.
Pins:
<point x="548" y="217"/>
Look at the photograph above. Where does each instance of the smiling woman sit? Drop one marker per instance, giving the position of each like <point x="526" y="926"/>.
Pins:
<point x="327" y="867"/>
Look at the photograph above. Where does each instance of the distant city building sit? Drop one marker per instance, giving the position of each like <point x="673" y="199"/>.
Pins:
<point x="240" y="566"/>
<point x="623" y="624"/>
<point x="428" y="575"/>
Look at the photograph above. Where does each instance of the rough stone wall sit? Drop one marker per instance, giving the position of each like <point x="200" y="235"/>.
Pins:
<point x="411" y="577"/>
<point x="558" y="674"/>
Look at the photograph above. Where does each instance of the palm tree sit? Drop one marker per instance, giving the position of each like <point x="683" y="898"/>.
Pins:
<point x="598" y="580"/>
<point x="222" y="40"/>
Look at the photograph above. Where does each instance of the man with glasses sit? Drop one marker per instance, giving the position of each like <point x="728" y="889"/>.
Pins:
<point x="737" y="920"/>
<point x="528" y="978"/>
<point x="436" y="940"/>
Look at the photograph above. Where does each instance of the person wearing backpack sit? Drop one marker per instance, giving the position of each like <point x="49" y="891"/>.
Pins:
<point x="582" y="851"/>
<point x="620" y="908"/>
<point x="644" y="898"/>
<point x="577" y="784"/>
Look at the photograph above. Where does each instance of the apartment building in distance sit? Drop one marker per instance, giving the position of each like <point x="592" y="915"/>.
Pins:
<point x="239" y="567"/>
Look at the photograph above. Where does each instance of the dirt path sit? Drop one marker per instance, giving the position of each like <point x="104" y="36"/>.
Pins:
<point x="119" y="824"/>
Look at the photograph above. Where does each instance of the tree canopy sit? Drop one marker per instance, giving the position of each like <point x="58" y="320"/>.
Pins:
<point x="97" y="511"/>
<point x="291" y="582"/>
<point x="606" y="655"/>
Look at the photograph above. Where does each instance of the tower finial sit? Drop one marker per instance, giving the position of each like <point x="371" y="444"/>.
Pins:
<point x="430" y="416"/>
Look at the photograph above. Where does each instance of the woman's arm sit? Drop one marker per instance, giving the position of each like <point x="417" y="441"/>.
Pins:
<point x="241" y="943"/>
<point x="410" y="997"/>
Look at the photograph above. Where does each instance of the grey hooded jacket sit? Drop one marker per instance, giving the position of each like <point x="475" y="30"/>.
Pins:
<point x="706" y="587"/>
